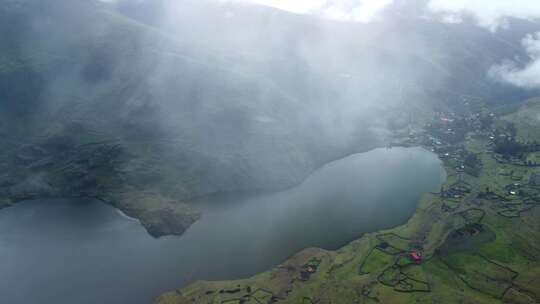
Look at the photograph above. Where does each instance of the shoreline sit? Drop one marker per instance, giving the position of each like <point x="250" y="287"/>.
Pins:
<point x="377" y="267"/>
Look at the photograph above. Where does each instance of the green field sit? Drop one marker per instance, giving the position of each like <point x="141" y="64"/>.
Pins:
<point x="480" y="241"/>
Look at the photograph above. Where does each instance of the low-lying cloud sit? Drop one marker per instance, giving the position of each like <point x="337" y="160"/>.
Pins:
<point x="527" y="76"/>
<point x="494" y="15"/>
<point x="491" y="14"/>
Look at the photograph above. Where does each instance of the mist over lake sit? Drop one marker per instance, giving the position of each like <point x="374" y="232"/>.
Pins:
<point x="269" y="151"/>
<point x="88" y="252"/>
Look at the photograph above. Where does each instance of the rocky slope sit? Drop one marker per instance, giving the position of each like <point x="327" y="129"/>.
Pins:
<point x="59" y="169"/>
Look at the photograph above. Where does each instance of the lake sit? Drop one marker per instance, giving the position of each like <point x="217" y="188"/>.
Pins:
<point x="82" y="251"/>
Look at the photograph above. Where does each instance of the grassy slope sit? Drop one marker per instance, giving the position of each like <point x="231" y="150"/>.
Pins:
<point x="77" y="113"/>
<point x="527" y="120"/>
<point x="104" y="86"/>
<point x="95" y="79"/>
<point x="166" y="101"/>
<point x="499" y="264"/>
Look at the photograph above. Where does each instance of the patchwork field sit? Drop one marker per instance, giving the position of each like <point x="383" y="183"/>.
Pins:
<point x="477" y="240"/>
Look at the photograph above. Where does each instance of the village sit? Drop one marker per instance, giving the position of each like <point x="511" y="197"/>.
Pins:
<point x="463" y="142"/>
<point x="493" y="179"/>
<point x="453" y="138"/>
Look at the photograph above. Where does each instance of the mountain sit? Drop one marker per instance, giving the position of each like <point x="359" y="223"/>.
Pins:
<point x="148" y="111"/>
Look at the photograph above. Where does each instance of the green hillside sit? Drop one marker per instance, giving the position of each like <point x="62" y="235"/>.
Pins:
<point x="174" y="111"/>
<point x="478" y="238"/>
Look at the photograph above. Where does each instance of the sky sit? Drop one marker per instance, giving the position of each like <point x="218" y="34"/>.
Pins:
<point x="343" y="10"/>
<point x="491" y="14"/>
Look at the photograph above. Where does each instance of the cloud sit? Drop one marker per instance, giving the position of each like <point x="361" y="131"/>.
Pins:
<point x="491" y="14"/>
<point x="527" y="76"/>
<point x="297" y="6"/>
<point x="343" y="10"/>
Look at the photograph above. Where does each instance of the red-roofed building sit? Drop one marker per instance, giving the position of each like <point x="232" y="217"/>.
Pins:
<point x="415" y="256"/>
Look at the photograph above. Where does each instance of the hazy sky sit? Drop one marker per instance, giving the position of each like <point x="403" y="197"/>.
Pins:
<point x="345" y="10"/>
<point x="489" y="13"/>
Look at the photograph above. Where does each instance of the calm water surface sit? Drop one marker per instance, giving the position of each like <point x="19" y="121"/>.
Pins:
<point x="78" y="252"/>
